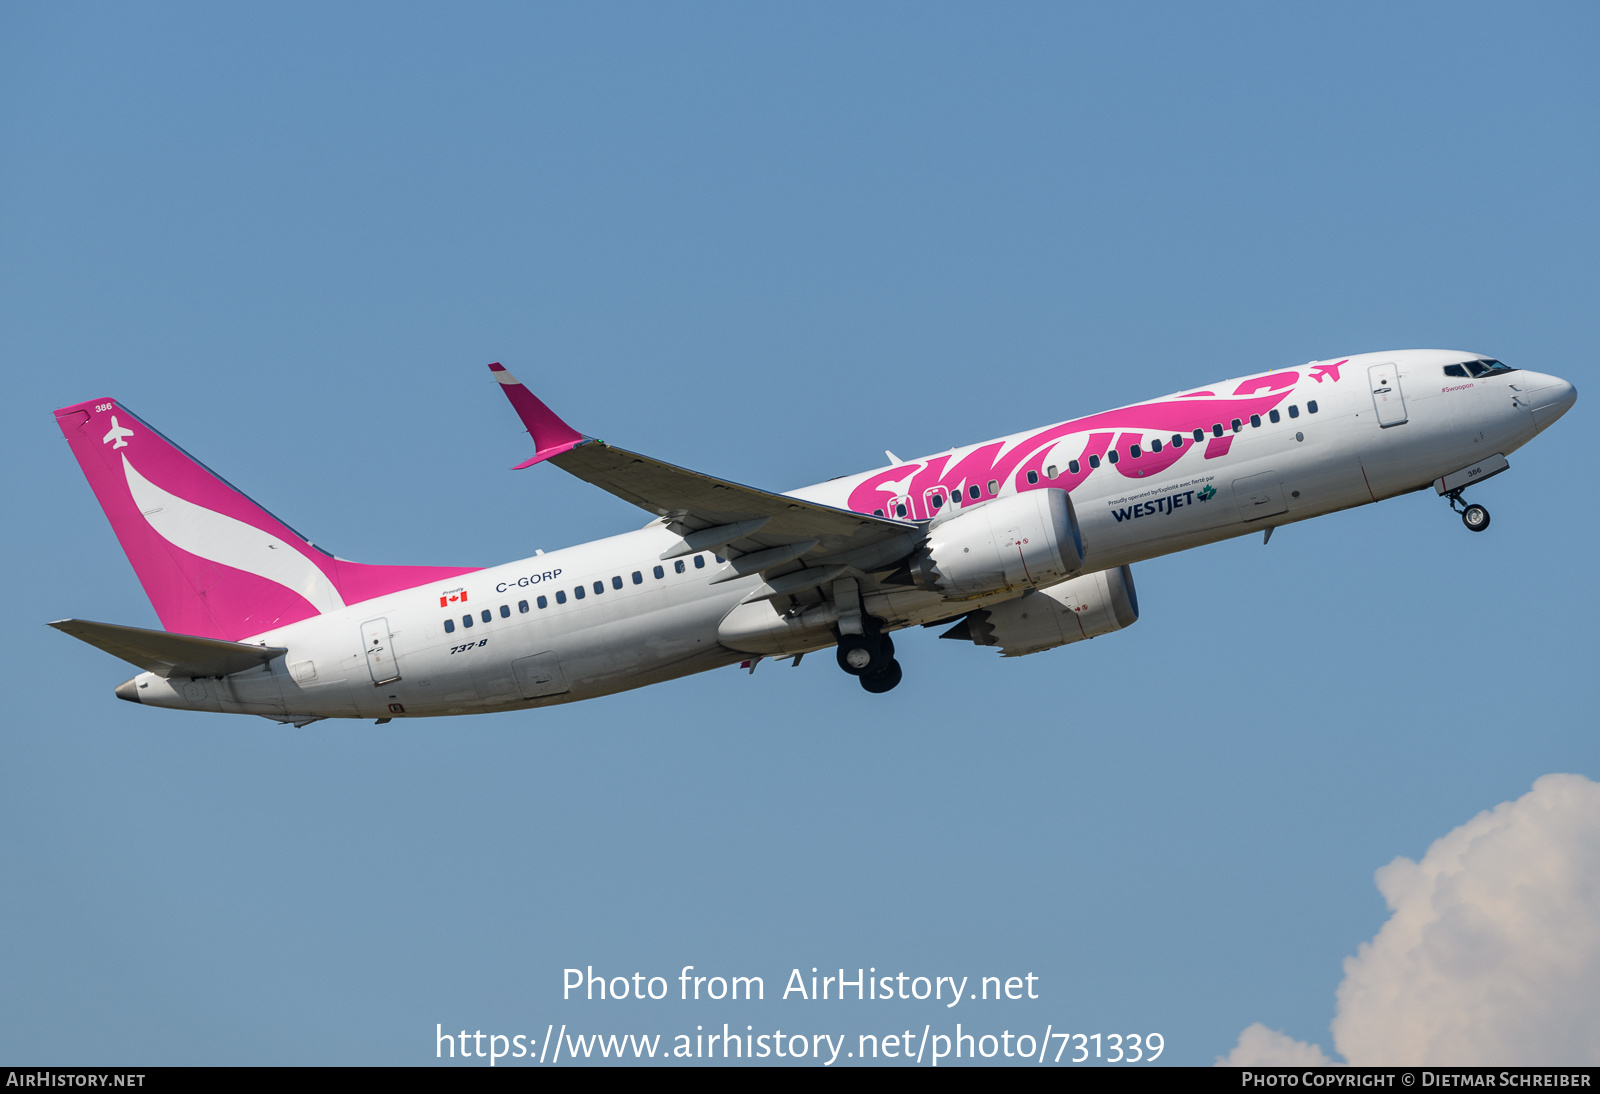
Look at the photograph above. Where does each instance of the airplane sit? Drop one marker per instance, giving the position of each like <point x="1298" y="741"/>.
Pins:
<point x="1023" y="544"/>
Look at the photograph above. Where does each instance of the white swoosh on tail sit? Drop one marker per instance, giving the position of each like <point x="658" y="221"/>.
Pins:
<point x="221" y="539"/>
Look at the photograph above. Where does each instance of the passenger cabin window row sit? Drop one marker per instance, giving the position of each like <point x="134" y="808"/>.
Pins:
<point x="1135" y="451"/>
<point x="579" y="592"/>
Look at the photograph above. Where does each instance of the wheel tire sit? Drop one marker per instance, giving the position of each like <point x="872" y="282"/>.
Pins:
<point x="1475" y="517"/>
<point x="859" y="655"/>
<point x="886" y="679"/>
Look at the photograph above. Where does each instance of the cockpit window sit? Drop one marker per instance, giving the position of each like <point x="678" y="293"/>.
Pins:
<point x="1456" y="370"/>
<point x="1485" y="366"/>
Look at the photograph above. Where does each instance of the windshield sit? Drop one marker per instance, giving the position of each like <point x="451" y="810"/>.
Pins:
<point x="1485" y="366"/>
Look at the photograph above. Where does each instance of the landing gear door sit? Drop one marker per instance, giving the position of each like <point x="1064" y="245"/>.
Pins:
<point x="379" y="648"/>
<point x="1259" y="496"/>
<point x="539" y="675"/>
<point x="1386" y="397"/>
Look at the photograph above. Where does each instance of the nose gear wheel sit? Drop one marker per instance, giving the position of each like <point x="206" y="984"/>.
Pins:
<point x="1474" y="516"/>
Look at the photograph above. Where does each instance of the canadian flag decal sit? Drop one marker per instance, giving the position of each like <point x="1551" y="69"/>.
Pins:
<point x="453" y="596"/>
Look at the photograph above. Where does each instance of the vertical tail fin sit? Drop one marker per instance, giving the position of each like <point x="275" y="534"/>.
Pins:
<point x="213" y="562"/>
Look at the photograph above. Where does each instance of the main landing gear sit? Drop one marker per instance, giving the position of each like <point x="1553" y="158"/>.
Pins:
<point x="1475" y="517"/>
<point x="870" y="657"/>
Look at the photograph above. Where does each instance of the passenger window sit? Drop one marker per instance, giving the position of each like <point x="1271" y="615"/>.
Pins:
<point x="1177" y="440"/>
<point x="994" y="487"/>
<point x="599" y="587"/>
<point x="638" y="578"/>
<point x="1255" y="421"/>
<point x="1237" y="425"/>
<point x="522" y="606"/>
<point x="1050" y="472"/>
<point x="542" y="602"/>
<point x="1216" y="431"/>
<point x="1311" y="406"/>
<point x="487" y="615"/>
<point x="1112" y="455"/>
<point x="938" y="501"/>
<point x="1294" y="411"/>
<point x="699" y="562"/>
<point x="1199" y="435"/>
<point x="1455" y="370"/>
<point x="466" y="620"/>
<point x="561" y="596"/>
<point x="1074" y="466"/>
<point x="1094" y="461"/>
<point x="718" y="557"/>
<point x="1155" y="445"/>
<point x="973" y="492"/>
<point x="877" y="512"/>
<point x="505" y="611"/>
<point x="1273" y="416"/>
<point x="1033" y="478"/>
<point x="616" y="582"/>
<point x="659" y="572"/>
<point x="449" y="626"/>
<point x="578" y="593"/>
<point x="1133" y="451"/>
<point x="899" y="511"/>
<point x="678" y="567"/>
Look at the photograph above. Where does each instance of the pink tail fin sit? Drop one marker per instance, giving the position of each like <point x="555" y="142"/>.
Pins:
<point x="213" y="562"/>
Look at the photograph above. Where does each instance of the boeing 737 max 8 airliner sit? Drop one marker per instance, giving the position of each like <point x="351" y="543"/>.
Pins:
<point x="1023" y="543"/>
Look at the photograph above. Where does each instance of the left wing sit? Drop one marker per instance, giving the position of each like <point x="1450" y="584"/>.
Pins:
<point x="793" y="544"/>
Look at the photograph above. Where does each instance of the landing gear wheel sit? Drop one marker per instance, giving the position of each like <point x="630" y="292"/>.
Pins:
<point x="862" y="656"/>
<point x="886" y="679"/>
<point x="1475" y="517"/>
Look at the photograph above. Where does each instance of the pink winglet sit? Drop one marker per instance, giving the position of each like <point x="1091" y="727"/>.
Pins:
<point x="551" y="436"/>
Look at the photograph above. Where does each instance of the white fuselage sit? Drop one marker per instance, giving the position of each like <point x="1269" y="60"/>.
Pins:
<point x="656" y="628"/>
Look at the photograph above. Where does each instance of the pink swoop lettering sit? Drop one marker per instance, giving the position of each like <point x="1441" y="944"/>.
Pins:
<point x="916" y="485"/>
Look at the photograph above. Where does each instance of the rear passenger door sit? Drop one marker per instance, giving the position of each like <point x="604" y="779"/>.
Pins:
<point x="379" y="648"/>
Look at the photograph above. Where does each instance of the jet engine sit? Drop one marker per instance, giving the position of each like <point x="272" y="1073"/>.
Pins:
<point x="1041" y="619"/>
<point x="1025" y="540"/>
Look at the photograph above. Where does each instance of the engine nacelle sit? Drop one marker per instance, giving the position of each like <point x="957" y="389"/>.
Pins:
<point x="1041" y="619"/>
<point x="1026" y="540"/>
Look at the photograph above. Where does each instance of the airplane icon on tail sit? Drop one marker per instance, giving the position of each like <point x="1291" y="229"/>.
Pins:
<point x="118" y="434"/>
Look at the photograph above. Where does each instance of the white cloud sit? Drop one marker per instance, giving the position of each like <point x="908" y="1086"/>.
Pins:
<point x="1262" y="1047"/>
<point x="1492" y="955"/>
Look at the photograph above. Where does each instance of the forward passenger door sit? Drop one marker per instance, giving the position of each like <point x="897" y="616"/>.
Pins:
<point x="1387" y="399"/>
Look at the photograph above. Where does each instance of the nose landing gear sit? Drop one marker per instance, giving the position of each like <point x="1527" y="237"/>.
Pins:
<point x="870" y="657"/>
<point x="1475" y="517"/>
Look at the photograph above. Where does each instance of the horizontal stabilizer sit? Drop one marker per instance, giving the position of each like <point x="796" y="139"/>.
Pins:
<point x="167" y="654"/>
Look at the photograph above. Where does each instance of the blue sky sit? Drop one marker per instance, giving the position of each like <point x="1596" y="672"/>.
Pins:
<point x="769" y="243"/>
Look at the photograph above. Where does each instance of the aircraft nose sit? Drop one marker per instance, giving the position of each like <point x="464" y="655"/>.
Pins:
<point x="1551" y="399"/>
